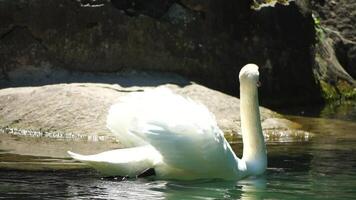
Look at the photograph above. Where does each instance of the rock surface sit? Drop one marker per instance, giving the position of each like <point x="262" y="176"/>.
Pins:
<point x="81" y="108"/>
<point x="335" y="65"/>
<point x="206" y="41"/>
<point x="338" y="17"/>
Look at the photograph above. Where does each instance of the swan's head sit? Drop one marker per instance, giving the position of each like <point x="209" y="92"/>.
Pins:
<point x="249" y="74"/>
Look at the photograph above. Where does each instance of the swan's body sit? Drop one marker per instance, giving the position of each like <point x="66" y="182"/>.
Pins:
<point x="180" y="138"/>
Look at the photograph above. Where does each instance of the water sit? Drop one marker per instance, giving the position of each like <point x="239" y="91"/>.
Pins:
<point x="322" y="167"/>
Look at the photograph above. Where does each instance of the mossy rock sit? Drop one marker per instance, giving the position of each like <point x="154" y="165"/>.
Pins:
<point x="341" y="90"/>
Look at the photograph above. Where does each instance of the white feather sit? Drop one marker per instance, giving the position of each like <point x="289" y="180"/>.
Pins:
<point x="184" y="132"/>
<point x="124" y="162"/>
<point x="180" y="138"/>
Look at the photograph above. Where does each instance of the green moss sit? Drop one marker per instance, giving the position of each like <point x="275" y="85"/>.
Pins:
<point x="328" y="91"/>
<point x="347" y="91"/>
<point x="339" y="109"/>
<point x="319" y="30"/>
<point x="342" y="90"/>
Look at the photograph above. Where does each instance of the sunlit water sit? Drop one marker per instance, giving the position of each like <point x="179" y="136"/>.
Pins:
<point x="324" y="167"/>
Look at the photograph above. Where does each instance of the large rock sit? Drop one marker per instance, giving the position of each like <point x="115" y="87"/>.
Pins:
<point x="80" y="109"/>
<point x="206" y="41"/>
<point x="335" y="82"/>
<point x="335" y="65"/>
<point x="338" y="17"/>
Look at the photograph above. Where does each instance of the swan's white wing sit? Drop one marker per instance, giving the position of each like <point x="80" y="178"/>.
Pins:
<point x="123" y="162"/>
<point x="183" y="131"/>
<point x="122" y="114"/>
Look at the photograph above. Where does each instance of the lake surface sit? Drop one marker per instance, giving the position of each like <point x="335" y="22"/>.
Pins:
<point x="320" y="167"/>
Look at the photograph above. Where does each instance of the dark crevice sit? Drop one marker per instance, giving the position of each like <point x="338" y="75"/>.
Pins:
<point x="11" y="30"/>
<point x="156" y="9"/>
<point x="152" y="8"/>
<point x="4" y="72"/>
<point x="92" y="25"/>
<point x="342" y="52"/>
<point x="199" y="13"/>
<point x="25" y="29"/>
<point x="18" y="40"/>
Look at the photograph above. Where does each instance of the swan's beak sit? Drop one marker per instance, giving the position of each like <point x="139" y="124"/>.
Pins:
<point x="258" y="84"/>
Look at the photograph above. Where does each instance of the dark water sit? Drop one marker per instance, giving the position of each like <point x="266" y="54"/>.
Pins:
<point x="322" y="167"/>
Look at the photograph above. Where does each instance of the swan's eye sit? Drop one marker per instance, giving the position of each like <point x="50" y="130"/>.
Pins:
<point x="258" y="83"/>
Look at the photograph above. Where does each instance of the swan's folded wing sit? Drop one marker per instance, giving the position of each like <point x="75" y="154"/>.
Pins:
<point x="121" y="162"/>
<point x="121" y="115"/>
<point x="186" y="135"/>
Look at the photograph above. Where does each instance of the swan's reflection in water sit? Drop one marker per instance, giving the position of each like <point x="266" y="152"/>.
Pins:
<point x="253" y="189"/>
<point x="250" y="189"/>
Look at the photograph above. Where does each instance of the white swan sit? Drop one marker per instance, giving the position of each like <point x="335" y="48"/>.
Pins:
<point x="179" y="138"/>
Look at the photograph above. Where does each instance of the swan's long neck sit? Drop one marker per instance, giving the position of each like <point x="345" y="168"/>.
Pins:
<point x="254" y="147"/>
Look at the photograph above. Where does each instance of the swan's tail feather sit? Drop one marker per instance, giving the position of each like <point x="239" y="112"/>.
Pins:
<point x="76" y="156"/>
<point x="121" y="162"/>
